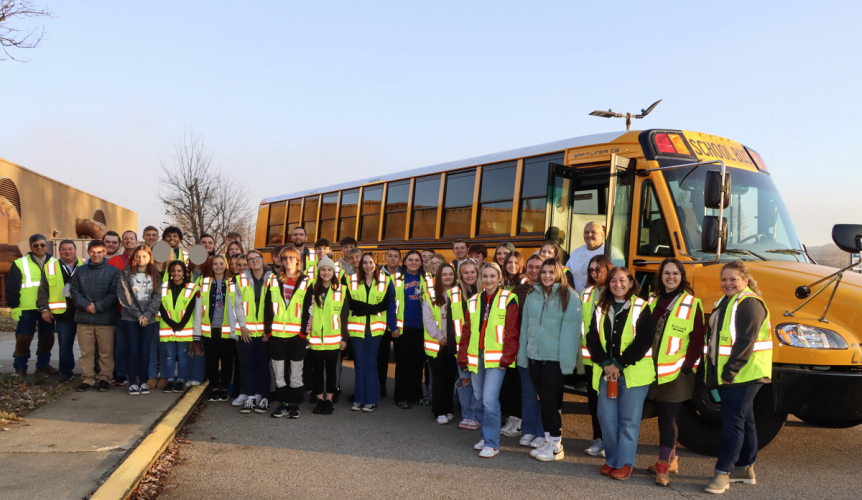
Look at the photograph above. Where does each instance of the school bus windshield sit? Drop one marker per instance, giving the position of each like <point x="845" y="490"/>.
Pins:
<point x="759" y="225"/>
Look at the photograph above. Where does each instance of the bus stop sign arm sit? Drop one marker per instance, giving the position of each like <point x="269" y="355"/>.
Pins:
<point x="628" y="116"/>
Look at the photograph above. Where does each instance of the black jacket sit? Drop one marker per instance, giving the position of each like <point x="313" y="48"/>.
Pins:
<point x="750" y="315"/>
<point x="645" y="334"/>
<point x="96" y="284"/>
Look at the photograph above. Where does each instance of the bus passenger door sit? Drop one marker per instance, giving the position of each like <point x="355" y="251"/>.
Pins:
<point x="619" y="214"/>
<point x="653" y="243"/>
<point x="578" y="196"/>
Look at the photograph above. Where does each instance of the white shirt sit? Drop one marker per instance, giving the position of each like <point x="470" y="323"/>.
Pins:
<point x="578" y="263"/>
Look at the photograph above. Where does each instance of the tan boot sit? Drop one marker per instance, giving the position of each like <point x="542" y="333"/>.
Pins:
<point x="162" y="383"/>
<point x="661" y="477"/>
<point x="673" y="466"/>
<point x="151" y="383"/>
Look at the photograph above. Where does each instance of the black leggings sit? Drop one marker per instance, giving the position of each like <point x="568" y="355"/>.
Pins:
<point x="443" y="370"/>
<point x="409" y="364"/>
<point x="219" y="359"/>
<point x="548" y="381"/>
<point x="324" y="362"/>
<point x="667" y="417"/>
<point x="593" y="403"/>
<point x="510" y="394"/>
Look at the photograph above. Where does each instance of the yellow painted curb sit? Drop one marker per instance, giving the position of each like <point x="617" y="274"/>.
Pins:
<point x="123" y="481"/>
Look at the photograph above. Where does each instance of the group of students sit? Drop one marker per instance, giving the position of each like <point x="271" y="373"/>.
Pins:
<point x="502" y="335"/>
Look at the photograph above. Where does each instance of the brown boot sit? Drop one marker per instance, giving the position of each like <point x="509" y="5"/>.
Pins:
<point x="162" y="383"/>
<point x="47" y="370"/>
<point x="673" y="466"/>
<point x="151" y="382"/>
<point x="661" y="477"/>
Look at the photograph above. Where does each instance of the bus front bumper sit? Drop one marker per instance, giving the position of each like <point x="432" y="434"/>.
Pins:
<point x="835" y="393"/>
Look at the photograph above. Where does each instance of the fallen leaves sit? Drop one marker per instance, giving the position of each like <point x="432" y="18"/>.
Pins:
<point x="19" y="397"/>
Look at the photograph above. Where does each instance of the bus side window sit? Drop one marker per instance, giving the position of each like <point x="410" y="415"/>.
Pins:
<point x="653" y="236"/>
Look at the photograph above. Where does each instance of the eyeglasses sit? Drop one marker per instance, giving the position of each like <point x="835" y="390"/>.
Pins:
<point x="39" y="245"/>
<point x="595" y="270"/>
<point x="254" y="259"/>
<point x="670" y="273"/>
<point x="289" y="257"/>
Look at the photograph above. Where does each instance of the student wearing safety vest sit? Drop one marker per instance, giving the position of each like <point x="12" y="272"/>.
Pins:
<point x="443" y="316"/>
<point x="738" y="363"/>
<point x="551" y="250"/>
<point x="677" y="348"/>
<point x="253" y="312"/>
<point x="468" y="270"/>
<point x="550" y="333"/>
<point x="140" y="295"/>
<point x="176" y="325"/>
<point x="325" y="316"/>
<point x="489" y="345"/>
<point x="54" y="300"/>
<point x="468" y="277"/>
<point x="22" y="285"/>
<point x="532" y="429"/>
<point x="620" y="342"/>
<point x="510" y="392"/>
<point x="287" y="347"/>
<point x="212" y="326"/>
<point x="598" y="270"/>
<point x="393" y="264"/>
<point x="369" y="291"/>
<point x="408" y="329"/>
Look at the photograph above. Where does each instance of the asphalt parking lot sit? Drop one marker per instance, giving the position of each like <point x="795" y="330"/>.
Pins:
<point x="405" y="454"/>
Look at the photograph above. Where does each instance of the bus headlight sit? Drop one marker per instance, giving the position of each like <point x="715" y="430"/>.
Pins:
<point x="796" y="335"/>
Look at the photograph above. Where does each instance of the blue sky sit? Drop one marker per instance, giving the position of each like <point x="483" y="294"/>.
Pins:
<point x="293" y="95"/>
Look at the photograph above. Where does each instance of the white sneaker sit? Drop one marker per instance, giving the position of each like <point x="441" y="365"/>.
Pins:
<point x="479" y="445"/>
<point x="193" y="383"/>
<point x="507" y="426"/>
<point x="356" y="407"/>
<point x="526" y="439"/>
<point x="597" y="449"/>
<point x="450" y="417"/>
<point x="514" y="428"/>
<point x="539" y="441"/>
<point x="540" y="449"/>
<point x="442" y="419"/>
<point x="551" y="453"/>
<point x="240" y="400"/>
<point x="488" y="452"/>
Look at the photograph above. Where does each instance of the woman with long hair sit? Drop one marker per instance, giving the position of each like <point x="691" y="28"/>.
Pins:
<point x="738" y="363"/>
<point x="513" y="272"/>
<point x="140" y="296"/>
<point x="489" y="345"/>
<point x="234" y="248"/>
<point x="551" y="250"/>
<point x="408" y="331"/>
<point x="370" y="291"/>
<point x="213" y="325"/>
<point x="677" y="347"/>
<point x="550" y="329"/>
<point x="468" y="277"/>
<point x="327" y="328"/>
<point x="441" y="339"/>
<point x="252" y="309"/>
<point x="176" y="330"/>
<point x="500" y="253"/>
<point x="619" y="340"/>
<point x="598" y="270"/>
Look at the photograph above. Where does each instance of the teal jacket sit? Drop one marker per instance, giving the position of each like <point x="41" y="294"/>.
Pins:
<point x="548" y="334"/>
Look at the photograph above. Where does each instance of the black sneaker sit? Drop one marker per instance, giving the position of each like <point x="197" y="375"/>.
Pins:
<point x="248" y="406"/>
<point x="383" y="392"/>
<point x="169" y="387"/>
<point x="312" y="399"/>
<point x="83" y="387"/>
<point x="223" y="396"/>
<point x="369" y="408"/>
<point x="318" y="408"/>
<point x="145" y="389"/>
<point x="65" y="377"/>
<point x="280" y="412"/>
<point x="327" y="407"/>
<point x="262" y="406"/>
<point x="179" y="387"/>
<point x="294" y="412"/>
<point x="104" y="385"/>
<point x="213" y="397"/>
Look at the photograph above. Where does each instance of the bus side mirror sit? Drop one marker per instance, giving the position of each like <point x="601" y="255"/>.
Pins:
<point x="709" y="237"/>
<point x="712" y="190"/>
<point x="848" y="237"/>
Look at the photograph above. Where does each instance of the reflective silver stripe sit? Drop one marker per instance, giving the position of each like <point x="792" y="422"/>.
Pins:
<point x="27" y="282"/>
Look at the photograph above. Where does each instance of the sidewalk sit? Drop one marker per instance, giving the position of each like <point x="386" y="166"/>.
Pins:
<point x="64" y="449"/>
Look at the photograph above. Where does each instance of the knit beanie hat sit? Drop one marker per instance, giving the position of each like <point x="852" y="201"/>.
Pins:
<point x="325" y="262"/>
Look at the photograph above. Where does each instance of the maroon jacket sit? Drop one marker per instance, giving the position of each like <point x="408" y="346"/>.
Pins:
<point x="511" y="334"/>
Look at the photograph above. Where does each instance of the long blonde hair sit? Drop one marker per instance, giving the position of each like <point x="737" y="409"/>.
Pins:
<point x="742" y="269"/>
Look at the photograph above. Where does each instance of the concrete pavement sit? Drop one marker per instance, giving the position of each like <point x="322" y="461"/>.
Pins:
<point x="403" y="453"/>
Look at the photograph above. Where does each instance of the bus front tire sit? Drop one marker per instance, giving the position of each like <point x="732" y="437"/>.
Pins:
<point x="700" y="422"/>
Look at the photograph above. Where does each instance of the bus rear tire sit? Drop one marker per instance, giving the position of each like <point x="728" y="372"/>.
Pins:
<point x="700" y="421"/>
<point x="831" y="423"/>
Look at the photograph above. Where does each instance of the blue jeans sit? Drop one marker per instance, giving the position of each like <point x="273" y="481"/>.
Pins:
<point x="138" y="341"/>
<point x="738" y="431"/>
<point x="66" y="331"/>
<point x="367" y="383"/>
<point x="620" y="419"/>
<point x="197" y="366"/>
<point x="155" y="355"/>
<point x="30" y="321"/>
<point x="486" y="392"/>
<point x="121" y="357"/>
<point x="531" y="416"/>
<point x="173" y="355"/>
<point x="465" y="396"/>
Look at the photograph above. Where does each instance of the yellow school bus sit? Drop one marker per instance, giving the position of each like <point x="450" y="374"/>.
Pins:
<point x="661" y="193"/>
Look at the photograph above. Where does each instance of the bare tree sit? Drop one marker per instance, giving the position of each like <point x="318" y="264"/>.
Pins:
<point x="201" y="199"/>
<point x="18" y="38"/>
